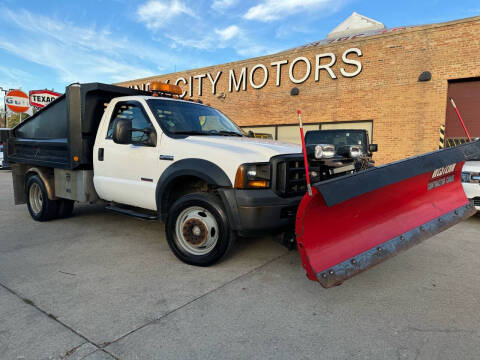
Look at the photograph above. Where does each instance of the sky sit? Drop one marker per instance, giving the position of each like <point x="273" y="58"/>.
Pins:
<point x="50" y="44"/>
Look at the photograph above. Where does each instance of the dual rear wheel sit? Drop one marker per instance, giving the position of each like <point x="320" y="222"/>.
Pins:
<point x="40" y="207"/>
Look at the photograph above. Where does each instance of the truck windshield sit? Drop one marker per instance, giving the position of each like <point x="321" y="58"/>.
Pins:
<point x="337" y="137"/>
<point x="184" y="118"/>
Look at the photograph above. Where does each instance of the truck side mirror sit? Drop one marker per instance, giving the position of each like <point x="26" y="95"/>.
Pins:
<point x="122" y="131"/>
<point x="373" y="147"/>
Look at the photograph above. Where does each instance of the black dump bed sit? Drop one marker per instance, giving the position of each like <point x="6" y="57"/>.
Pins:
<point x="65" y="129"/>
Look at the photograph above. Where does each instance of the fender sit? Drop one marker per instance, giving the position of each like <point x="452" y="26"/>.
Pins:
<point x="20" y="172"/>
<point x="200" y="168"/>
<point x="47" y="178"/>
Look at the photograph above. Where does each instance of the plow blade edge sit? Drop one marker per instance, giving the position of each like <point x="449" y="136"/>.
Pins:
<point x="354" y="222"/>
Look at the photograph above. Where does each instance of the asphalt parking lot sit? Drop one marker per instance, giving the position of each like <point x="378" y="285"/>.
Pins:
<point x="104" y="286"/>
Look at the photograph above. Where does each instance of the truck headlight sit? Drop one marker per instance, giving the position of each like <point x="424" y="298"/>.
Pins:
<point x="253" y="176"/>
<point x="324" y="151"/>
<point x="465" y="177"/>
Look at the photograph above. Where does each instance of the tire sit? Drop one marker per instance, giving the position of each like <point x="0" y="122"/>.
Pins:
<point x="65" y="208"/>
<point x="197" y="229"/>
<point x="39" y="206"/>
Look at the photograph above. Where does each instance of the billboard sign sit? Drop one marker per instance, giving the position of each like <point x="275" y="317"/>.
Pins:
<point x="17" y="101"/>
<point x="41" y="98"/>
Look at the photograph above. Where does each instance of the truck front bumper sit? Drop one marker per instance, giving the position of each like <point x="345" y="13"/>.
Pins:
<point x="256" y="212"/>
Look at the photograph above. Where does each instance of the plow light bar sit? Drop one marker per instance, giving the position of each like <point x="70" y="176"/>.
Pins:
<point x="324" y="151"/>
<point x="158" y="86"/>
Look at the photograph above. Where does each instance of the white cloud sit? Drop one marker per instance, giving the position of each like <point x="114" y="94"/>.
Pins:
<point x="219" y="39"/>
<point x="271" y="10"/>
<point x="230" y="37"/>
<point x="80" y="53"/>
<point x="156" y="13"/>
<point x="13" y="78"/>
<point x="228" y="33"/>
<point x="220" y="5"/>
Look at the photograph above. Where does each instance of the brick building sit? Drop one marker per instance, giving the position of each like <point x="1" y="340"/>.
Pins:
<point x="393" y="82"/>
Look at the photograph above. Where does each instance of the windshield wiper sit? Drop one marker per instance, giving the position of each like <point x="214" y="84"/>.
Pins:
<point x="228" y="133"/>
<point x="190" y="133"/>
<point x="211" y="132"/>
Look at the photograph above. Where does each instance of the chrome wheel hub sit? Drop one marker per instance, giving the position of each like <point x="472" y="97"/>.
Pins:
<point x="35" y="198"/>
<point x="196" y="231"/>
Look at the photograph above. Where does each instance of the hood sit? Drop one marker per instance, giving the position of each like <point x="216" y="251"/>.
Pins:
<point x="248" y="148"/>
<point x="472" y="166"/>
<point x="229" y="152"/>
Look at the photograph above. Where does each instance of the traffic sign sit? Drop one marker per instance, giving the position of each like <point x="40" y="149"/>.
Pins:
<point x="17" y="101"/>
<point x="41" y="98"/>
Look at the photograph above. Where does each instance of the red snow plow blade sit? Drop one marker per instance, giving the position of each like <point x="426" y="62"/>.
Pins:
<point x="356" y="221"/>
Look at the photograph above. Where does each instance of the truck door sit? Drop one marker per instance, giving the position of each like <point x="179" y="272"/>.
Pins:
<point x="127" y="173"/>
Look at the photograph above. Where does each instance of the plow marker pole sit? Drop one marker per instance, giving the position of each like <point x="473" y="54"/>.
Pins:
<point x="304" y="150"/>
<point x="460" y="119"/>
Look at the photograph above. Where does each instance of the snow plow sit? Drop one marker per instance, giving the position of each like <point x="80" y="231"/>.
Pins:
<point x="353" y="222"/>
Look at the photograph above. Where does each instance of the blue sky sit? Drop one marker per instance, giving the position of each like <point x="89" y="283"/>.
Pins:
<point x="49" y="44"/>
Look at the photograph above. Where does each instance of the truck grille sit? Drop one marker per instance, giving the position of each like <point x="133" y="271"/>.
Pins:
<point x="289" y="176"/>
<point x="476" y="201"/>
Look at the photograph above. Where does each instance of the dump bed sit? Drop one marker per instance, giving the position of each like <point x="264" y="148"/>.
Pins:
<point x="62" y="134"/>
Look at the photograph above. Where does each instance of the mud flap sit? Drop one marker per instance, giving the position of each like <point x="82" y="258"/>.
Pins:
<point x="356" y="221"/>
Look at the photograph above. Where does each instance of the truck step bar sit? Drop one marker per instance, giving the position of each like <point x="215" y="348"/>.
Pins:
<point x="130" y="211"/>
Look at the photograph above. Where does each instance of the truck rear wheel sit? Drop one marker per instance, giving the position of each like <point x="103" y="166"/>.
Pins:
<point x="39" y="206"/>
<point x="197" y="229"/>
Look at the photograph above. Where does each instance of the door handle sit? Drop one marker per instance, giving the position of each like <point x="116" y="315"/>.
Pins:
<point x="100" y="154"/>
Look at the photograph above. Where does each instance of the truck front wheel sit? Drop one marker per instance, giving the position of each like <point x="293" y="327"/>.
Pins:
<point x="197" y="229"/>
<point x="39" y="206"/>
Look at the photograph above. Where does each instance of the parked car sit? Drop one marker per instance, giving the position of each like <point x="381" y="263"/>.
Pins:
<point x="471" y="181"/>
<point x="3" y="163"/>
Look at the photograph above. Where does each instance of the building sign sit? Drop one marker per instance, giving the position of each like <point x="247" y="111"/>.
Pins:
<point x="17" y="101"/>
<point x="351" y="37"/>
<point x="41" y="98"/>
<point x="260" y="74"/>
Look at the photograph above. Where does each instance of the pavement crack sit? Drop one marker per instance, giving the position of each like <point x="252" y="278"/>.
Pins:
<point x="51" y="316"/>
<point x="445" y="331"/>
<point x="200" y="297"/>
<point x="72" y="350"/>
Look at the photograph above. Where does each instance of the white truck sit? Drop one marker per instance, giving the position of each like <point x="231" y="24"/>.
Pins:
<point x="155" y="157"/>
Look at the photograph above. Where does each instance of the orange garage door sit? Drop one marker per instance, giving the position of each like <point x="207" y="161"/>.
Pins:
<point x="466" y="94"/>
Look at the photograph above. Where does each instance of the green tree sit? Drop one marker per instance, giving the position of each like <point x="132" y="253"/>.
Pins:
<point x="15" y="118"/>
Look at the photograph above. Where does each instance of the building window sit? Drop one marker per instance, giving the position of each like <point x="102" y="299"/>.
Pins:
<point x="262" y="132"/>
<point x="291" y="133"/>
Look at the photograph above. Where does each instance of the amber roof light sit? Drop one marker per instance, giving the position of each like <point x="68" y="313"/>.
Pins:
<point x="158" y="86"/>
